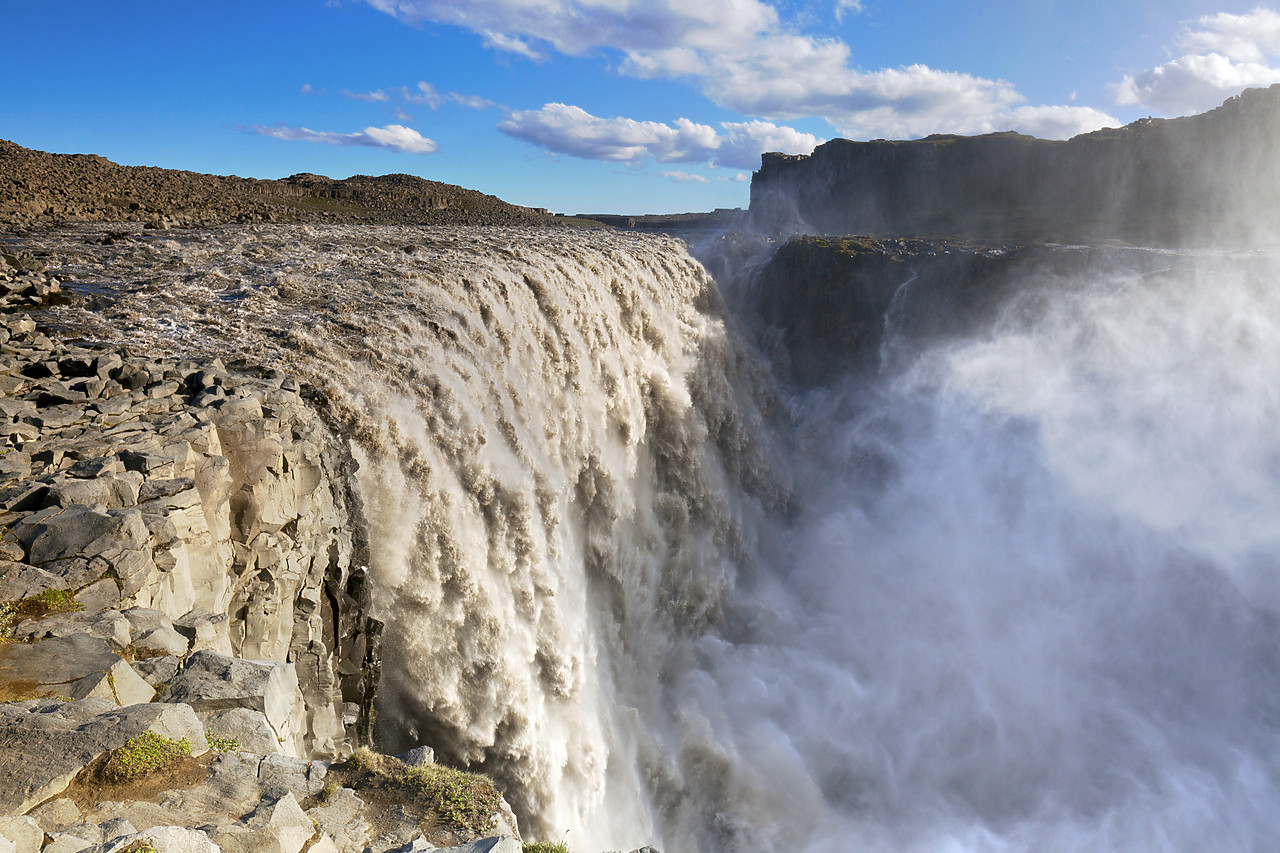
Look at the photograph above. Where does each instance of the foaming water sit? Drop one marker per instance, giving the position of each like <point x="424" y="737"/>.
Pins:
<point x="1015" y="593"/>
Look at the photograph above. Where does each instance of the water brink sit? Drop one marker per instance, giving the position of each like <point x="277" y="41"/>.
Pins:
<point x="1016" y="592"/>
<point x="563" y="466"/>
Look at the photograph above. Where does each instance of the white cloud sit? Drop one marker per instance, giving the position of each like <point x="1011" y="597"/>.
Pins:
<point x="307" y="89"/>
<point x="1228" y="53"/>
<point x="576" y="27"/>
<point x="742" y="178"/>
<point x="565" y="129"/>
<point x="744" y="142"/>
<point x="686" y="177"/>
<point x="744" y="57"/>
<point x="472" y="102"/>
<point x="424" y="93"/>
<point x="513" y="44"/>
<point x="395" y="137"/>
<point x="375" y="97"/>
<point x="844" y="7"/>
<point x="1244" y="38"/>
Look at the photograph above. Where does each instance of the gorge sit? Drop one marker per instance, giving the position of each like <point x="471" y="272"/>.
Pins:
<point x="889" y="542"/>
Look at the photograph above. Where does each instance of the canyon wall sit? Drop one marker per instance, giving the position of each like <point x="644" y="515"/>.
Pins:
<point x="1200" y="180"/>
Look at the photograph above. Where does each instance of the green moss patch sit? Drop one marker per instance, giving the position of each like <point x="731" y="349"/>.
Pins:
<point x="446" y="799"/>
<point x="143" y="755"/>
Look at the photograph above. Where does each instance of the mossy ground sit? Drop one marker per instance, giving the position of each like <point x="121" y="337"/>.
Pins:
<point x="47" y="603"/>
<point x="144" y="754"/>
<point x="446" y="799"/>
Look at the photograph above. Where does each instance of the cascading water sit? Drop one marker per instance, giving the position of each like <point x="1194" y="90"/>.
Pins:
<point x="1013" y="590"/>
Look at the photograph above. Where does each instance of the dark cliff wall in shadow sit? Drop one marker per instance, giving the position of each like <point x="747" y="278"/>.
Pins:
<point x="1207" y="179"/>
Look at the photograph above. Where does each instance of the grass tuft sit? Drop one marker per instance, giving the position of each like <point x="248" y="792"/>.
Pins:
<point x="145" y="754"/>
<point x="546" y="847"/>
<point x="468" y="801"/>
<point x="222" y="744"/>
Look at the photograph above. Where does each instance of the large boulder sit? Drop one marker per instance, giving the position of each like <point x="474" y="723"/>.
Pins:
<point x="48" y="743"/>
<point x="274" y="827"/>
<point x="210" y="681"/>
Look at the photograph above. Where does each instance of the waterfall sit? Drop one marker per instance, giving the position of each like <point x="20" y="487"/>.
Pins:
<point x="1013" y="591"/>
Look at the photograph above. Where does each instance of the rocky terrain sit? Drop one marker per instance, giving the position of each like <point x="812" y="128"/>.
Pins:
<point x="187" y="662"/>
<point x="1209" y="179"/>
<point x="39" y="189"/>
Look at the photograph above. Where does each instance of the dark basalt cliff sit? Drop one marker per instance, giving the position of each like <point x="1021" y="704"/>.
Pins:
<point x="1206" y="179"/>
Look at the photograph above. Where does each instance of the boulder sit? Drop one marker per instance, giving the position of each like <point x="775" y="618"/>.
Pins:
<point x="163" y="639"/>
<point x="494" y="844"/>
<point x="418" y="756"/>
<point x="108" y="625"/>
<point x="249" y="728"/>
<point x="164" y="839"/>
<point x="45" y="748"/>
<point x="304" y="778"/>
<point x="156" y="671"/>
<point x="342" y="817"/>
<point x="275" y="827"/>
<point x="23" y="831"/>
<point x="210" y="681"/>
<point x="120" y="683"/>
<point x="73" y="839"/>
<point x="54" y="664"/>
<point x="55" y="816"/>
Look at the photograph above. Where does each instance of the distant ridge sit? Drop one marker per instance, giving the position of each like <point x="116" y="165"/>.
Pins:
<point x="42" y="189"/>
<point x="1212" y="178"/>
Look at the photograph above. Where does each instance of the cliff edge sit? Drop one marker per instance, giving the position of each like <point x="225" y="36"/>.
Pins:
<point x="1209" y="179"/>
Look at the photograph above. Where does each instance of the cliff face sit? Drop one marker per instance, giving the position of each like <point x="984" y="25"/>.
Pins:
<point x="1205" y="179"/>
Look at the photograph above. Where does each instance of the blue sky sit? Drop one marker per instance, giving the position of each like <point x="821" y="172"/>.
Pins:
<point x="629" y="106"/>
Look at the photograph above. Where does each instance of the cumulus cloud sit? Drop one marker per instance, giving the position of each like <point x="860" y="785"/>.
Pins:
<point x="395" y="137"/>
<point x="744" y="57"/>
<point x="565" y="129"/>
<point x="375" y="97"/>
<point x="743" y="142"/>
<point x="1226" y="54"/>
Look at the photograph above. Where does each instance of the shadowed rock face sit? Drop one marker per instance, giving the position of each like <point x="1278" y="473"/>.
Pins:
<point x="1206" y="179"/>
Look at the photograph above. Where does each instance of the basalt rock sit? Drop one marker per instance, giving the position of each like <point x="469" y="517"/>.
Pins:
<point x="1210" y="179"/>
<point x="43" y="189"/>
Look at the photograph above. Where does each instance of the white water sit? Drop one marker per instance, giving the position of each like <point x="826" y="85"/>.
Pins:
<point x="1018" y="595"/>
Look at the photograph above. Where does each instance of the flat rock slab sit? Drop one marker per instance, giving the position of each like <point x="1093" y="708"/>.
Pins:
<point x="162" y="839"/>
<point x="210" y="681"/>
<point x="48" y="743"/>
<point x="55" y="661"/>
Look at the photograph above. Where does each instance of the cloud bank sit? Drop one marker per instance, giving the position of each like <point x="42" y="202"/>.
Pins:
<point x="744" y="57"/>
<point x="1224" y="54"/>
<point x="566" y="129"/>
